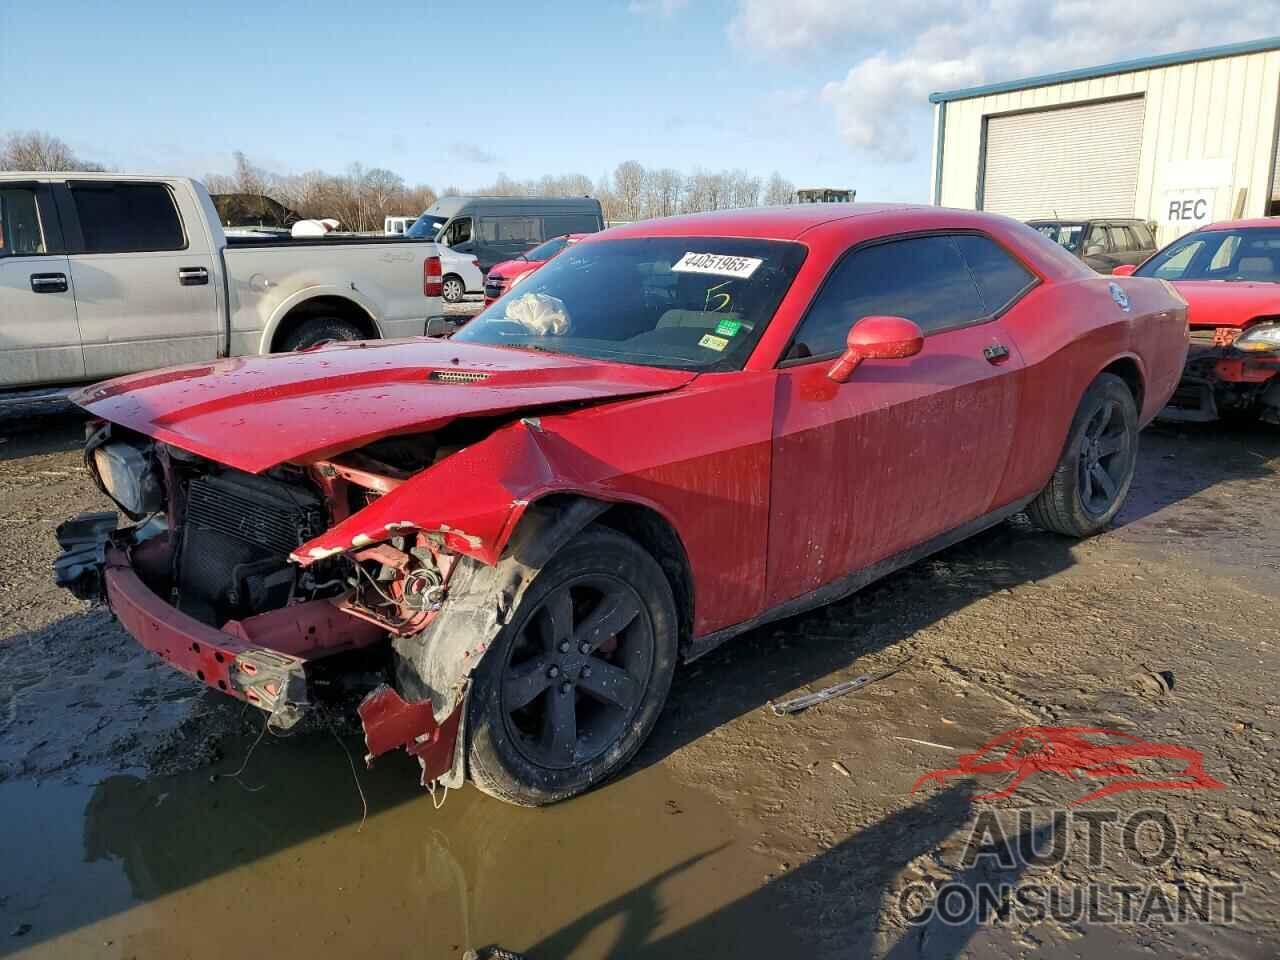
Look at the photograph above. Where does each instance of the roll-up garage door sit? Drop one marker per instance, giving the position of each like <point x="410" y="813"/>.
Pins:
<point x="1065" y="162"/>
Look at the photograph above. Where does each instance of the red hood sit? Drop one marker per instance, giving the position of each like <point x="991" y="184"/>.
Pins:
<point x="1219" y="303"/>
<point x="510" y="268"/>
<point x="255" y="412"/>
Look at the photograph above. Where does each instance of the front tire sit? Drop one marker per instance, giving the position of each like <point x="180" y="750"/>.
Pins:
<point x="318" y="330"/>
<point x="1092" y="479"/>
<point x="573" y="685"/>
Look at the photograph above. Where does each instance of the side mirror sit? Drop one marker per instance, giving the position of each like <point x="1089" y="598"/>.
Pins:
<point x="440" y="326"/>
<point x="877" y="338"/>
<point x="1124" y="270"/>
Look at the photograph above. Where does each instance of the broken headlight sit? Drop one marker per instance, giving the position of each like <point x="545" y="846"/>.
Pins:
<point x="1259" y="339"/>
<point x="127" y="475"/>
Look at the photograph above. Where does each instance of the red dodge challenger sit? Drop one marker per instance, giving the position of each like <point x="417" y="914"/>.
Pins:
<point x="1229" y="274"/>
<point x="671" y="433"/>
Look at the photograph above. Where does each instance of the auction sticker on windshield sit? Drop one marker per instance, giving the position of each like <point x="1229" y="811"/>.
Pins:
<point x="722" y="265"/>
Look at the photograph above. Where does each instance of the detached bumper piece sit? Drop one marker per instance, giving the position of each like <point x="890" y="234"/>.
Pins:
<point x="262" y="660"/>
<point x="391" y="722"/>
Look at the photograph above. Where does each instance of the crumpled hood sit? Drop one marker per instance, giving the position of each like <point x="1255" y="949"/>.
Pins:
<point x="253" y="413"/>
<point x="1220" y="303"/>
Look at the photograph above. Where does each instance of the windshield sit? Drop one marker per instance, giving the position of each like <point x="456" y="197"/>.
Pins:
<point x="545" y="251"/>
<point x="1066" y="235"/>
<point x="1241" y="255"/>
<point x="697" y="303"/>
<point x="425" y="227"/>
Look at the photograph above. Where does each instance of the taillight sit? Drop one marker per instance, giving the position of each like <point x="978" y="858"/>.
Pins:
<point x="432" y="278"/>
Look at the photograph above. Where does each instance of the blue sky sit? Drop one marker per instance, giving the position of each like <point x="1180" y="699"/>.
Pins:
<point x="828" y="92"/>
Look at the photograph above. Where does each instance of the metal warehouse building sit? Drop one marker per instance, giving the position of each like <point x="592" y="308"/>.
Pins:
<point x="1180" y="140"/>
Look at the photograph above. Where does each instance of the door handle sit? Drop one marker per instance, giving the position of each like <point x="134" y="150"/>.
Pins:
<point x="49" y="283"/>
<point x="996" y="353"/>
<point x="193" y="276"/>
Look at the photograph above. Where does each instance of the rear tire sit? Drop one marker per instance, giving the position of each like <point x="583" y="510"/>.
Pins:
<point x="317" y="330"/>
<point x="453" y="289"/>
<point x="573" y="685"/>
<point x="1092" y="479"/>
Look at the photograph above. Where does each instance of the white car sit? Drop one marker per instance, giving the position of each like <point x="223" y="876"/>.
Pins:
<point x="106" y="274"/>
<point x="461" y="274"/>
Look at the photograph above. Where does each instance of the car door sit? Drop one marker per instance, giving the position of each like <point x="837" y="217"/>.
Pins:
<point x="143" y="275"/>
<point x="39" y="336"/>
<point x="907" y="450"/>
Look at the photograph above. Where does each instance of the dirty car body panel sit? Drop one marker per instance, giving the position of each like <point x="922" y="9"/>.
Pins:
<point x="414" y="490"/>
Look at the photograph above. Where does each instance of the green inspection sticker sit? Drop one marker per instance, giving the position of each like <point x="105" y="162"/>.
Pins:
<point x="728" y="328"/>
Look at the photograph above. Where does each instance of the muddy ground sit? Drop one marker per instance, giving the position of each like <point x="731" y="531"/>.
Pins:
<point x="736" y="833"/>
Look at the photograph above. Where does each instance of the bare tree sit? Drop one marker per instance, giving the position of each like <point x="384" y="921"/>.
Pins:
<point x="361" y="197"/>
<point x="628" y="190"/>
<point x="779" y="190"/>
<point x="662" y="192"/>
<point x="37" y="150"/>
<point x="744" y="189"/>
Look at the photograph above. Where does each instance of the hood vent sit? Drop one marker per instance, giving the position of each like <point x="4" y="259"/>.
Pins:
<point x="457" y="376"/>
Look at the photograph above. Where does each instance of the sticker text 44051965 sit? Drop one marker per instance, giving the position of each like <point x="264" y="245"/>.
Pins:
<point x="719" y="264"/>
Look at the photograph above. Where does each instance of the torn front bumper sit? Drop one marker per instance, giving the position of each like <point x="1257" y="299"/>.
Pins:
<point x="263" y="660"/>
<point x="1220" y="379"/>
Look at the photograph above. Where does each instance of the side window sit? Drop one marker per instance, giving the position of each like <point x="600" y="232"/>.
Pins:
<point x="511" y="230"/>
<point x="558" y="225"/>
<point x="127" y="217"/>
<point x="1143" y="235"/>
<point x="1096" y="242"/>
<point x="1174" y="266"/>
<point x="923" y="279"/>
<point x="1001" y="278"/>
<point x="1225" y="255"/>
<point x="459" y="232"/>
<point x="1119" y="239"/>
<point x="20" y="233"/>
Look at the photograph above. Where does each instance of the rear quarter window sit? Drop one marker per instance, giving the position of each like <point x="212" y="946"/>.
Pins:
<point x="1001" y="278"/>
<point x="127" y="217"/>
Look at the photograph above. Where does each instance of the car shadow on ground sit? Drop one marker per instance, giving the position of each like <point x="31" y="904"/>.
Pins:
<point x="844" y="889"/>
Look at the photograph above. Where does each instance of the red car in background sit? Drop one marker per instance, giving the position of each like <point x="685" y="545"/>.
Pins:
<point x="687" y="428"/>
<point x="1229" y="274"/>
<point x="505" y="275"/>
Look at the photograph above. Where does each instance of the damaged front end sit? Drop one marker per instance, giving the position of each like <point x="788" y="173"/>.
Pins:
<point x="1230" y="373"/>
<point x="204" y="575"/>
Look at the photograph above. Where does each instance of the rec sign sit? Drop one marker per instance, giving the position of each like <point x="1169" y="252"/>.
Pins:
<point x="1187" y="209"/>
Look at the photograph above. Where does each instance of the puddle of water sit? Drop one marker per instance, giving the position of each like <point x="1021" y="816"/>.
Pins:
<point x="184" y="866"/>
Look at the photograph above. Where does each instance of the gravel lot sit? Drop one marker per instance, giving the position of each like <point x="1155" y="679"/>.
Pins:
<point x="737" y="833"/>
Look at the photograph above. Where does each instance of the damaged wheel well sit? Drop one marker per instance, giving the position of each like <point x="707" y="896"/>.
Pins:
<point x="652" y="531"/>
<point x="552" y="521"/>
<point x="1126" y="368"/>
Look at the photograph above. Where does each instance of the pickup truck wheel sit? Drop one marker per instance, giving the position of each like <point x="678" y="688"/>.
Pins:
<point x="1093" y="477"/>
<point x="317" y="330"/>
<point x="574" y="684"/>
<point x="454" y="289"/>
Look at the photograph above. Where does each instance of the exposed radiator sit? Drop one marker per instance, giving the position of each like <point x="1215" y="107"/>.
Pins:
<point x="238" y="533"/>
<point x="254" y="510"/>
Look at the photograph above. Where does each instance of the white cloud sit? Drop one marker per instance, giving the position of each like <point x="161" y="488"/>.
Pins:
<point x="901" y="51"/>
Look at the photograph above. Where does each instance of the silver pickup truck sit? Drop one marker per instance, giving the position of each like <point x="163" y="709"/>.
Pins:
<point x="105" y="274"/>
